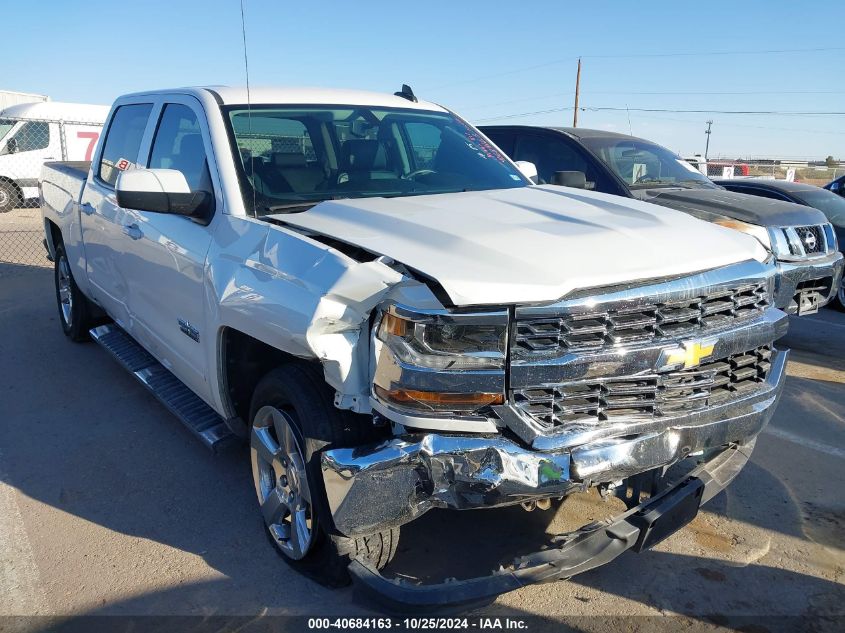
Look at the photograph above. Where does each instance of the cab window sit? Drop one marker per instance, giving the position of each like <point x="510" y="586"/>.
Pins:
<point x="31" y="136"/>
<point x="549" y="155"/>
<point x="178" y="145"/>
<point x="552" y="153"/>
<point x="123" y="140"/>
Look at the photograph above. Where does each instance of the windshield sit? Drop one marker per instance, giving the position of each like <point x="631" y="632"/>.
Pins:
<point x="5" y="126"/>
<point x="641" y="164"/>
<point x="296" y="155"/>
<point x="830" y="204"/>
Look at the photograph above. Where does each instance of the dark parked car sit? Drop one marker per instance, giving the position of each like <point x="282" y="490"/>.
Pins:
<point x="832" y="205"/>
<point x="802" y="240"/>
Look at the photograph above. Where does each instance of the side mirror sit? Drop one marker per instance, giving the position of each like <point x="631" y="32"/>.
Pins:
<point x="576" y="179"/>
<point x="161" y="191"/>
<point x="528" y="169"/>
<point x="12" y="146"/>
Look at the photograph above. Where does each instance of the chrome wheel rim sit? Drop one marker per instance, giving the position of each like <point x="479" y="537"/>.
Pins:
<point x="278" y="470"/>
<point x="65" y="294"/>
<point x="4" y="197"/>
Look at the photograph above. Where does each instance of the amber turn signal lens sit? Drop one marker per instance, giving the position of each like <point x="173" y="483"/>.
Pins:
<point x="415" y="398"/>
<point x="395" y="325"/>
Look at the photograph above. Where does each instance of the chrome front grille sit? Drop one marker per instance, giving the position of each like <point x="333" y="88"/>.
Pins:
<point x="812" y="239"/>
<point x="673" y="393"/>
<point x="593" y="330"/>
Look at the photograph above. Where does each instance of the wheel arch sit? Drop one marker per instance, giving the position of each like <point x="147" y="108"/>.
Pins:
<point x="53" y="235"/>
<point x="243" y="360"/>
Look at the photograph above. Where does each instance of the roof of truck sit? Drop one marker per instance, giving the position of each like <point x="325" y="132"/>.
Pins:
<point x="270" y="95"/>
<point x="57" y="111"/>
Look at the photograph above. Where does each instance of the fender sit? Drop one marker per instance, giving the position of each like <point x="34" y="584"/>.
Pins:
<point x="299" y="296"/>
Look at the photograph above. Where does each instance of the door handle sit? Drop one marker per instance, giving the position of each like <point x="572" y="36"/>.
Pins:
<point x="87" y="208"/>
<point x="133" y="231"/>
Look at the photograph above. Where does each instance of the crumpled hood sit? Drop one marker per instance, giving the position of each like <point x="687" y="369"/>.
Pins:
<point x="528" y="244"/>
<point x="740" y="206"/>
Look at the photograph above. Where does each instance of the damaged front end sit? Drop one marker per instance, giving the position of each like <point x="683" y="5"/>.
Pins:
<point x="669" y="503"/>
<point x="494" y="408"/>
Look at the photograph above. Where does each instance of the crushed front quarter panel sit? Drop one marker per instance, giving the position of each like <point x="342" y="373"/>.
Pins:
<point x="300" y="296"/>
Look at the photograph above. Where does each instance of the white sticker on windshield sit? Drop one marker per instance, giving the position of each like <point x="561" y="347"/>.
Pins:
<point x="687" y="165"/>
<point x="640" y="171"/>
<point x="515" y="177"/>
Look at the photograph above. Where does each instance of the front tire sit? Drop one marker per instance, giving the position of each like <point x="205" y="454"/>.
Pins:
<point x="839" y="301"/>
<point x="293" y="420"/>
<point x="74" y="309"/>
<point x="10" y="196"/>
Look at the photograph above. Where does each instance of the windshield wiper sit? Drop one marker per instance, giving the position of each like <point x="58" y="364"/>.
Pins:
<point x="297" y="207"/>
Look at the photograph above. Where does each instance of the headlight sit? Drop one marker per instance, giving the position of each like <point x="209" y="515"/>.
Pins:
<point x="434" y="343"/>
<point x="830" y="235"/>
<point x="440" y="362"/>
<point x="753" y="230"/>
<point x="784" y="243"/>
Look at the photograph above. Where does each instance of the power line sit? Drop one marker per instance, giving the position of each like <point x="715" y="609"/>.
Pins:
<point x="743" y="126"/>
<point x="522" y="114"/>
<point x="764" y="112"/>
<point x="523" y="69"/>
<point x="773" y="51"/>
<point x="678" y="111"/>
<point x="732" y="125"/>
<point x="555" y="95"/>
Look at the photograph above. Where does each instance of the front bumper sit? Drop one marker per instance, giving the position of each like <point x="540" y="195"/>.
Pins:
<point x="590" y="547"/>
<point x="793" y="277"/>
<point x="375" y="487"/>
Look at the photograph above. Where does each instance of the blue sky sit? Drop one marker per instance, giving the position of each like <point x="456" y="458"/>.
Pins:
<point x="483" y="59"/>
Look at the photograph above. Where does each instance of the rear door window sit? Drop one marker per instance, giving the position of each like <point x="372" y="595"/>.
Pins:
<point x="123" y="140"/>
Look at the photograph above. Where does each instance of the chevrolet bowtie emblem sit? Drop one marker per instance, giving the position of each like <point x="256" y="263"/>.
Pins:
<point x="688" y="355"/>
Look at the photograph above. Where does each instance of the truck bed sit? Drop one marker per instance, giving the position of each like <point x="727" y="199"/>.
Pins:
<point x="74" y="168"/>
<point x="61" y="185"/>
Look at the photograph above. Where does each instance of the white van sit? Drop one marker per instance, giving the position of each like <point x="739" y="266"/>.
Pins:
<point x="33" y="133"/>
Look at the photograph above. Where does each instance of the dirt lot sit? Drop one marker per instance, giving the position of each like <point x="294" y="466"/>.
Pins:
<point x="109" y="506"/>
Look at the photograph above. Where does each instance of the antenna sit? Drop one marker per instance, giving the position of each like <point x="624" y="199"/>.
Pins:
<point x="248" y="108"/>
<point x="406" y="93"/>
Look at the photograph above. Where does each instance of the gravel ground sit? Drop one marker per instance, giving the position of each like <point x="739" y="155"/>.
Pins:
<point x="109" y="506"/>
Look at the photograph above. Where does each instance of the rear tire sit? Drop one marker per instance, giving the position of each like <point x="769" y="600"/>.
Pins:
<point x="292" y="420"/>
<point x="74" y="308"/>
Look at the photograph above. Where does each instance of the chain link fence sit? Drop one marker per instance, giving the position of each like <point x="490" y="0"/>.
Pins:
<point x="22" y="238"/>
<point x="25" y="145"/>
<point x="818" y="175"/>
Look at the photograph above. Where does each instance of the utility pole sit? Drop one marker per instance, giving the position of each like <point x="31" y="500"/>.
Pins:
<point x="707" y="145"/>
<point x="577" y="93"/>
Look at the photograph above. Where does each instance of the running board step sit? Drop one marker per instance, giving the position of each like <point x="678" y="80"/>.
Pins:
<point x="195" y="414"/>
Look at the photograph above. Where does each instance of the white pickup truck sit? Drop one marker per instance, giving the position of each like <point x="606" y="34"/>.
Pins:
<point x="377" y="300"/>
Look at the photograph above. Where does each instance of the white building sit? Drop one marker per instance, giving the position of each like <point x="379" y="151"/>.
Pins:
<point x="10" y="97"/>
